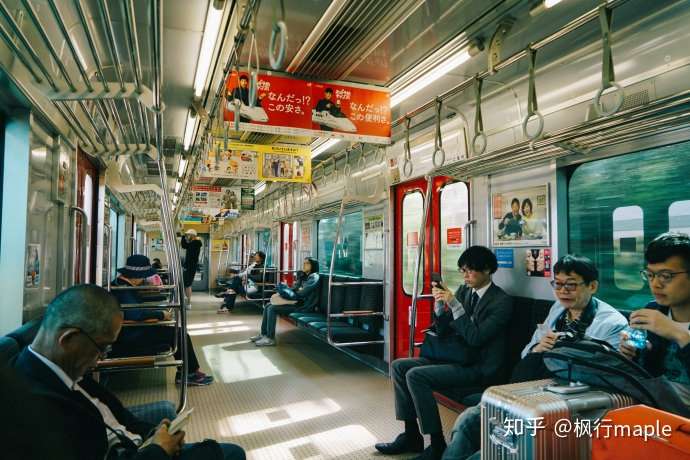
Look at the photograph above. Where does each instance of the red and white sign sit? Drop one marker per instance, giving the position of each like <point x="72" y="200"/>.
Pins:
<point x="291" y="106"/>
<point x="454" y="235"/>
<point x="412" y="239"/>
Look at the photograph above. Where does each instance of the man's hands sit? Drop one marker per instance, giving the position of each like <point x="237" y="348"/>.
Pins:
<point x="170" y="443"/>
<point x="442" y="295"/>
<point x="660" y="324"/>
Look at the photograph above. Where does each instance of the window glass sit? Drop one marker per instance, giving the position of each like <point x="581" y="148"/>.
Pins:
<point x="454" y="215"/>
<point x="412" y="210"/>
<point x="113" y="243"/>
<point x="628" y="247"/>
<point x="616" y="206"/>
<point x="679" y="217"/>
<point x="348" y="254"/>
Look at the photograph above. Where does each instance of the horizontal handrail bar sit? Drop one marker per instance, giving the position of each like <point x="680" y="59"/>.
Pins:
<point x="150" y="323"/>
<point x="354" y="344"/>
<point x="150" y="305"/>
<point x="357" y="283"/>
<point x="129" y="367"/>
<point x="163" y="287"/>
<point x="356" y="313"/>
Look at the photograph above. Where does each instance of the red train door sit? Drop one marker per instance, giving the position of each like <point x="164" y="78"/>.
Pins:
<point x="87" y="200"/>
<point x="443" y="242"/>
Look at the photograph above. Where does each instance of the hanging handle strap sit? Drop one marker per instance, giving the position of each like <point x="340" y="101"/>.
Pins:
<point x="608" y="76"/>
<point x="279" y="31"/>
<point x="407" y="163"/>
<point x="478" y="147"/>
<point x="532" y="108"/>
<point x="438" y="140"/>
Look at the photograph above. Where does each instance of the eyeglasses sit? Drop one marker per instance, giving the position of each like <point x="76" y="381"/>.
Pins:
<point x="664" y="277"/>
<point x="569" y="287"/>
<point x="467" y="270"/>
<point x="103" y="350"/>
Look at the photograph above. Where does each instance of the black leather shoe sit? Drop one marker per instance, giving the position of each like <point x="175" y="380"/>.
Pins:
<point x="219" y="295"/>
<point x="401" y="445"/>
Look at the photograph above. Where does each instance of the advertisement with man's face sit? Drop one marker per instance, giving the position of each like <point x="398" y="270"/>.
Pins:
<point x="520" y="217"/>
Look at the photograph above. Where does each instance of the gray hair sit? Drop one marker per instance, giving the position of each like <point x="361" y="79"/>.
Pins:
<point x="86" y="306"/>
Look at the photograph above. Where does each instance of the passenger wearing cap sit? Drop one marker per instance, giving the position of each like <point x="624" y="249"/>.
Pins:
<point x="141" y="341"/>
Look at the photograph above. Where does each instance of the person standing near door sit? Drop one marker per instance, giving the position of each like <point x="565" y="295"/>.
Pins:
<point x="192" y="244"/>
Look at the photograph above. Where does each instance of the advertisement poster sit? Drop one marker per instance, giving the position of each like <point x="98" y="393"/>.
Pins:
<point x="275" y="162"/>
<point x="234" y="163"/>
<point x="412" y="239"/>
<point x="454" y="237"/>
<point x="60" y="176"/>
<point x="521" y="217"/>
<point x="286" y="105"/>
<point x="538" y="262"/>
<point x="373" y="232"/>
<point x="505" y="258"/>
<point x="219" y="245"/>
<point x="33" y="266"/>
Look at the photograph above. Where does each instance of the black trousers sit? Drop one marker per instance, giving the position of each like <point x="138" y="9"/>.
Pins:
<point x="415" y="380"/>
<point x="147" y="340"/>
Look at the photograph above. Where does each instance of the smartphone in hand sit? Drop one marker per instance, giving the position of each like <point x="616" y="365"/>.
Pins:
<point x="437" y="281"/>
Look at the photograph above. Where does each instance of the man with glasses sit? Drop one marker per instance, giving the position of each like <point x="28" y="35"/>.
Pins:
<point x="667" y="318"/>
<point x="576" y="313"/>
<point x="78" y="329"/>
<point x="476" y="317"/>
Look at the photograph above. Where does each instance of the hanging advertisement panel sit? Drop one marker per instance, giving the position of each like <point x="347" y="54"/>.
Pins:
<point x="215" y="202"/>
<point x="247" y="199"/>
<point x="276" y="162"/>
<point x="286" y="105"/>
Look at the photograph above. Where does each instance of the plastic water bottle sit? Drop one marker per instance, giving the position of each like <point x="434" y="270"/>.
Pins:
<point x="637" y="338"/>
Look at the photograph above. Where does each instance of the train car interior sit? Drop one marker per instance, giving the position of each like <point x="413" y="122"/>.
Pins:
<point x="345" y="229"/>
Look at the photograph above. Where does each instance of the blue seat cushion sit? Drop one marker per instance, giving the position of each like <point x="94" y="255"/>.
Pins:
<point x="304" y="320"/>
<point x="349" y="334"/>
<point x="323" y="324"/>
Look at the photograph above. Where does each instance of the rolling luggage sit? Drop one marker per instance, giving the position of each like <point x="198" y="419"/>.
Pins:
<point x="675" y="446"/>
<point x="543" y="420"/>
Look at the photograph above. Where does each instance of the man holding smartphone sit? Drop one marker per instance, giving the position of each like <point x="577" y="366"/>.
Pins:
<point x="473" y="321"/>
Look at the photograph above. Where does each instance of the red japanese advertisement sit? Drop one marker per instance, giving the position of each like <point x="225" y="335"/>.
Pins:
<point x="286" y="105"/>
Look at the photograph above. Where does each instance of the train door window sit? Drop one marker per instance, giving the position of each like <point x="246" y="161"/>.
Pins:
<point x="679" y="217"/>
<point x="412" y="213"/>
<point x="348" y="254"/>
<point x="87" y="192"/>
<point x="113" y="243"/>
<point x="617" y="205"/>
<point x="628" y="247"/>
<point x="454" y="216"/>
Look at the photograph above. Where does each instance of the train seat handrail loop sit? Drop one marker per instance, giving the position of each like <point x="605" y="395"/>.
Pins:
<point x="532" y="107"/>
<point x="438" y="139"/>
<point x="279" y="30"/>
<point x="479" y="134"/>
<point x="608" y="76"/>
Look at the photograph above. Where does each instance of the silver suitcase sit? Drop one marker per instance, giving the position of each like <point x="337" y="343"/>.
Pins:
<point x="543" y="420"/>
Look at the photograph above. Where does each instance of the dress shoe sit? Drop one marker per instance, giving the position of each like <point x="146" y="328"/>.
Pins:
<point x="430" y="454"/>
<point x="402" y="444"/>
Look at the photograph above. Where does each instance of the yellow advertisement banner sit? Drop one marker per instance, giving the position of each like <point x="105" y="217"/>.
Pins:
<point x="276" y="162"/>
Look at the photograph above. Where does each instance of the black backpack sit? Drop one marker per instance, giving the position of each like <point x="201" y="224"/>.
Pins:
<point x="596" y="363"/>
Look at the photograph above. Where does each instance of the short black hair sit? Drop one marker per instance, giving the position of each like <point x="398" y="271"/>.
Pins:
<point x="513" y="201"/>
<point x="261" y="254"/>
<point x="478" y="258"/>
<point x="314" y="264"/>
<point x="583" y="266"/>
<point x="244" y="77"/>
<point x="524" y="202"/>
<point x="667" y="245"/>
<point x="328" y="90"/>
<point x="86" y="306"/>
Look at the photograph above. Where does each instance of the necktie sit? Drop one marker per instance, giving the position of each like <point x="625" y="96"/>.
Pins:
<point x="474" y="301"/>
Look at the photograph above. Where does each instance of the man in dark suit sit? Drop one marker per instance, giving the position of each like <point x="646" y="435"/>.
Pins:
<point x="476" y="317"/>
<point x="79" y="328"/>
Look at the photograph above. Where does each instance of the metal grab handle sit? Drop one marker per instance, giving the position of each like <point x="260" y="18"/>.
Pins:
<point x="438" y="139"/>
<point x="109" y="262"/>
<point x="620" y="98"/>
<point x="279" y="30"/>
<point x="532" y="107"/>
<point x="84" y="241"/>
<point x="608" y="75"/>
<point x="478" y="120"/>
<point x="502" y="436"/>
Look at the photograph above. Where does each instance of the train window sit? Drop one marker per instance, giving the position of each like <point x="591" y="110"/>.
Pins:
<point x="348" y="254"/>
<point x="617" y="205"/>
<point x="263" y="239"/>
<point x="628" y="247"/>
<point x="454" y="215"/>
<point x="412" y="210"/>
<point x="679" y="217"/>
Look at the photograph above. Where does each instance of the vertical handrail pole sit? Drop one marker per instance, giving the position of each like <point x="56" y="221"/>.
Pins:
<point x="418" y="263"/>
<point x="263" y="277"/>
<point x="166" y="215"/>
<point x="338" y="230"/>
<point x="109" y="262"/>
<point x="84" y="243"/>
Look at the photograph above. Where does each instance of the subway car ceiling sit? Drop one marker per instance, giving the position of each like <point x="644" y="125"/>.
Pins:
<point x="140" y="86"/>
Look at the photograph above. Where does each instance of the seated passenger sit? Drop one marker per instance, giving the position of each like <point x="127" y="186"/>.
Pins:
<point x="576" y="312"/>
<point x="307" y="291"/>
<point x="79" y="327"/>
<point x="137" y="341"/>
<point x="235" y="286"/>
<point x="667" y="318"/>
<point x="478" y="315"/>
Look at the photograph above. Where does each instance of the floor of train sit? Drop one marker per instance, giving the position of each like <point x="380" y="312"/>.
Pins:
<point x="300" y="400"/>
